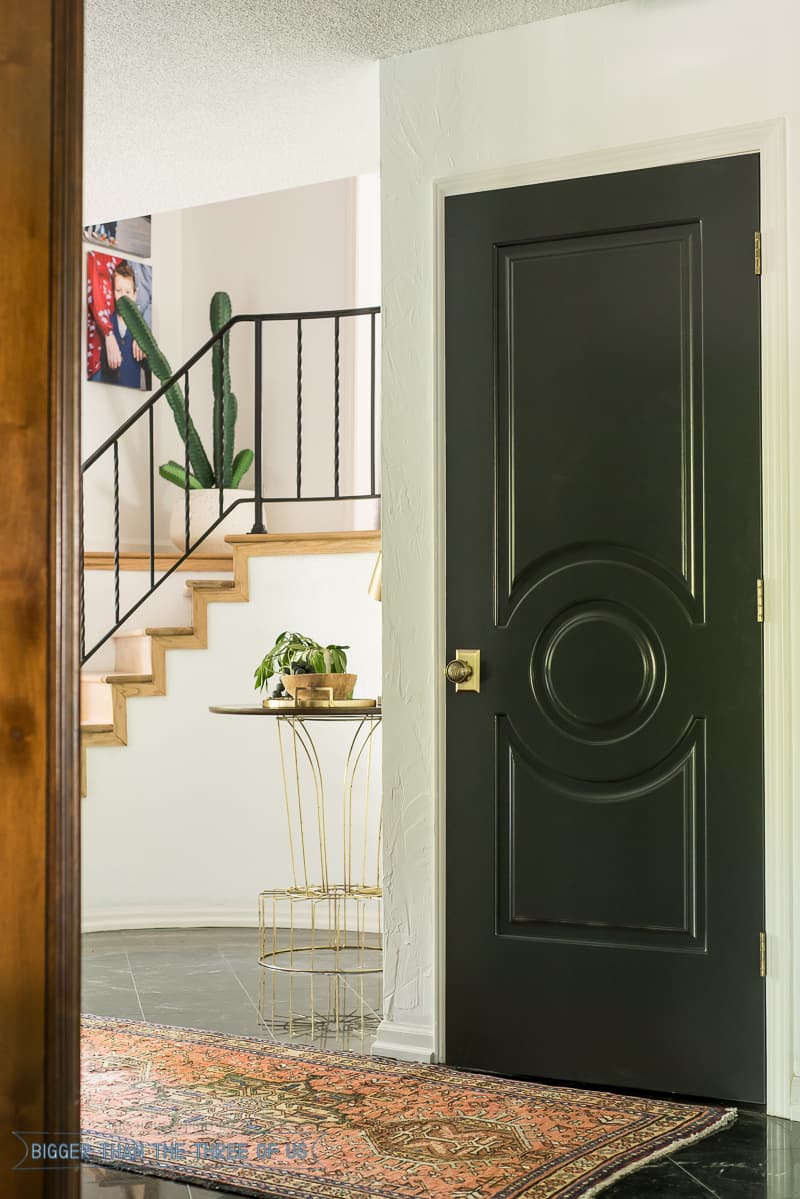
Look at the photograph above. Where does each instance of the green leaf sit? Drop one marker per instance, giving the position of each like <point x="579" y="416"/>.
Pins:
<point x="338" y="659"/>
<point x="241" y="465"/>
<point x="316" y="660"/>
<point x="176" y="474"/>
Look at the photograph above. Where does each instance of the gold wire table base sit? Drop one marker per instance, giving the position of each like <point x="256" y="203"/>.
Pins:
<point x="326" y="930"/>
<point x="331" y="1011"/>
<point x="270" y="960"/>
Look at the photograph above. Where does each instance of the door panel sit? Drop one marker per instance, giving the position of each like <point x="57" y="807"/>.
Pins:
<point x="604" y="789"/>
<point x="551" y="294"/>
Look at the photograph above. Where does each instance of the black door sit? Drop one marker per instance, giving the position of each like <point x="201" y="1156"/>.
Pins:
<point x="604" y="843"/>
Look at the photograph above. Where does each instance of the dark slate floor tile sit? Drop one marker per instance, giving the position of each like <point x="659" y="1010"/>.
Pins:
<point x="232" y="1017"/>
<point x="107" y="965"/>
<point x="661" y="1179"/>
<point x="189" y="988"/>
<point x="744" y="1139"/>
<point x="96" y="955"/>
<point x="779" y="1178"/>
<point x="197" y="1193"/>
<point x="118" y="983"/>
<point x="102" y="1002"/>
<point x="100" y="1183"/>
<point x="210" y="978"/>
<point x="203" y="967"/>
<point x="109" y="982"/>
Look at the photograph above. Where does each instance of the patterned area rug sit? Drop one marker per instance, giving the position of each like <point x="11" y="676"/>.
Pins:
<point x="261" y="1119"/>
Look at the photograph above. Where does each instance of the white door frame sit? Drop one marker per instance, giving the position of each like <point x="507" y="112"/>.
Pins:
<point x="768" y="140"/>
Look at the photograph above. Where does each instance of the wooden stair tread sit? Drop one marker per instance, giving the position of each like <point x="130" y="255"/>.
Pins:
<point x="342" y="535"/>
<point x="117" y="677"/>
<point x="210" y="584"/>
<point x="138" y="560"/>
<point x="344" y="542"/>
<point x="170" y="632"/>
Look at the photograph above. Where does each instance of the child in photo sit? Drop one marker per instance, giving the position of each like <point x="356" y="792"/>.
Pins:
<point x="121" y="356"/>
<point x="113" y="355"/>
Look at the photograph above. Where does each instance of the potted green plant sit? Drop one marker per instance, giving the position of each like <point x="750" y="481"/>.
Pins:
<point x="300" y="662"/>
<point x="228" y="467"/>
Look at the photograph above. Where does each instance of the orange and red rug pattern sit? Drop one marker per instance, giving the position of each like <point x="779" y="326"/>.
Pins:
<point x="261" y="1119"/>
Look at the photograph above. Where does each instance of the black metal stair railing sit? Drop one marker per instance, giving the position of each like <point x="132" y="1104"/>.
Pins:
<point x="111" y="446"/>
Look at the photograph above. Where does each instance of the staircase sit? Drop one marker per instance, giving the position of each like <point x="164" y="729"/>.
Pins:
<point x="140" y="656"/>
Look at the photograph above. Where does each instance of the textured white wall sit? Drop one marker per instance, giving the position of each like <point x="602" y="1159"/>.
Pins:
<point x="630" y="73"/>
<point x="185" y="824"/>
<point x="288" y="251"/>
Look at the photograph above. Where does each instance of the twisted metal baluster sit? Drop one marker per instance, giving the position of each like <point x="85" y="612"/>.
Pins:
<point x="186" y="464"/>
<point x="116" y="532"/>
<point x="82" y="594"/>
<point x="372" y="404"/>
<point x="221" y="479"/>
<point x="152" y="500"/>
<point x="336" y="400"/>
<point x="258" y="420"/>
<point x="299" y="407"/>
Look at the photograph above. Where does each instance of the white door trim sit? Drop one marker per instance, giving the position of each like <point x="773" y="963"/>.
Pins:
<point x="768" y="140"/>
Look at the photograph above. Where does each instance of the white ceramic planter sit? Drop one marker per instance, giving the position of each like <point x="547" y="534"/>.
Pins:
<point x="203" y="511"/>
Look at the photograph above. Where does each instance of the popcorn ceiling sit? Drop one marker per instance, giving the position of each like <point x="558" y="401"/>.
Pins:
<point x="309" y="28"/>
<point x="195" y="101"/>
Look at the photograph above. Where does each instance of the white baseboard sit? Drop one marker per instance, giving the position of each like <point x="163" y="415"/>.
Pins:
<point x="126" y="918"/>
<point x="112" y="920"/>
<point x="408" y="1042"/>
<point x="794" y="1101"/>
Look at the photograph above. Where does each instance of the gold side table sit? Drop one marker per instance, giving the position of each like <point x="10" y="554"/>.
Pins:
<point x="319" y="924"/>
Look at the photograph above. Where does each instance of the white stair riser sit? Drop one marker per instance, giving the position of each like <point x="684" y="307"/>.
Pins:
<point x="132" y="654"/>
<point x="97" y="702"/>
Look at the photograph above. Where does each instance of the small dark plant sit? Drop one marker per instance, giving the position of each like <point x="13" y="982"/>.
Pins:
<point x="293" y="653"/>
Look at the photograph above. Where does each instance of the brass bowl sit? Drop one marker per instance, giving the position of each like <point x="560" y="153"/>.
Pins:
<point x="337" y="686"/>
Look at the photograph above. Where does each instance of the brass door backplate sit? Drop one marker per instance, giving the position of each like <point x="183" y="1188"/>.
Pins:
<point x="465" y="670"/>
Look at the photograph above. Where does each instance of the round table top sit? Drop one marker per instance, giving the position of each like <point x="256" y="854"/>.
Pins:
<point x="304" y="710"/>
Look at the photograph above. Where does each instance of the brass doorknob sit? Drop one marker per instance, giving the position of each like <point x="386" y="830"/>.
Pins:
<point x="458" y="671"/>
<point x="465" y="670"/>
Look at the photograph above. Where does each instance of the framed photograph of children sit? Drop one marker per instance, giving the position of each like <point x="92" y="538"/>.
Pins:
<point x="131" y="236"/>
<point x="112" y="354"/>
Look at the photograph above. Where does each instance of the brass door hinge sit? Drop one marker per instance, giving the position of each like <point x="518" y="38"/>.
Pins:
<point x="762" y="954"/>
<point x="757" y="252"/>
<point x="760" y="601"/>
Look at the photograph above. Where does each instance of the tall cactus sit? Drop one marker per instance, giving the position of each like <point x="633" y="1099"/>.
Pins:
<point x="161" y="368"/>
<point x="225" y="407"/>
<point x="229" y="468"/>
<point x="233" y="466"/>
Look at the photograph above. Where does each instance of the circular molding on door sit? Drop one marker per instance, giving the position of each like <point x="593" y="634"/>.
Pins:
<point x="606" y="643"/>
